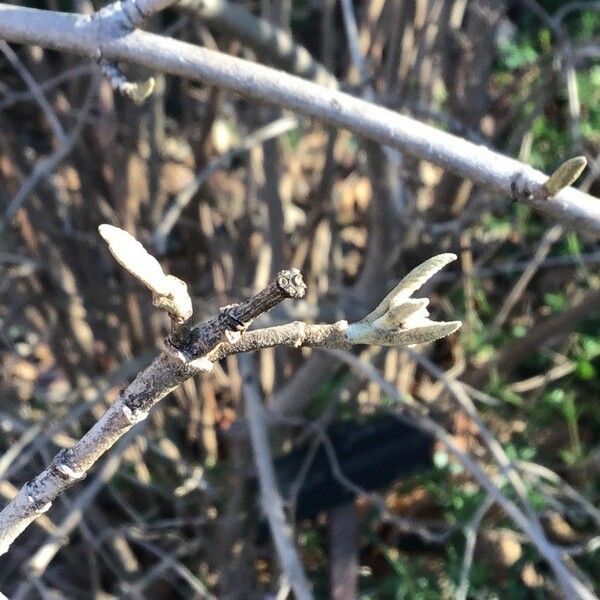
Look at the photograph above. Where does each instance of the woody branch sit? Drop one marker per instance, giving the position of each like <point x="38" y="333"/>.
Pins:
<point x="103" y="35"/>
<point x="398" y="320"/>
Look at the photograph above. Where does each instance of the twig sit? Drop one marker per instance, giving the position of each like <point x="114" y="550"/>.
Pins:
<point x="272" y="502"/>
<point x="471" y="538"/>
<point x="543" y="472"/>
<point x="502" y="174"/>
<point x="496" y="450"/>
<point x="343" y="552"/>
<point x="531" y="383"/>
<point x="47" y="165"/>
<point x="550" y="236"/>
<point x="17" y="447"/>
<point x="403" y="523"/>
<point x="83" y="401"/>
<point x="136" y="589"/>
<point x="44" y="86"/>
<point x="36" y="92"/>
<point x="351" y="29"/>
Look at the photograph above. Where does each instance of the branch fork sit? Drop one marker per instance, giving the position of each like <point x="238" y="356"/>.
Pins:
<point x="120" y="18"/>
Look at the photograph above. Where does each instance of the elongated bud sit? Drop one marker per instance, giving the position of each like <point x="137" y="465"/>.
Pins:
<point x="400" y="320"/>
<point x="566" y="174"/>
<point x="131" y="255"/>
<point x="411" y="283"/>
<point x="169" y="292"/>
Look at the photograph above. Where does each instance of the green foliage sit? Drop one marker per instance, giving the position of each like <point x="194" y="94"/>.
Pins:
<point x="588" y="82"/>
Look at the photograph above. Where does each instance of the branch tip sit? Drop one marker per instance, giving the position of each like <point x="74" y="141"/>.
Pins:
<point x="170" y="293"/>
<point x="400" y="320"/>
<point x="291" y="283"/>
<point x="411" y="283"/>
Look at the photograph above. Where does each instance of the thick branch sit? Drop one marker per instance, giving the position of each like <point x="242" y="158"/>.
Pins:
<point x="497" y="172"/>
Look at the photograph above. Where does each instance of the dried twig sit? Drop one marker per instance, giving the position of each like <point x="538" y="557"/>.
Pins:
<point x="36" y="92"/>
<point x="271" y="500"/>
<point x="47" y="164"/>
<point x="182" y="199"/>
<point x="471" y="537"/>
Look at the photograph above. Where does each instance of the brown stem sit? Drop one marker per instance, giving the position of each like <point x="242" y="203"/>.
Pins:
<point x="238" y="317"/>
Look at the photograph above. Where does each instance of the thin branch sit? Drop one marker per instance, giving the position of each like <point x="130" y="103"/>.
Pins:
<point x="183" y="198"/>
<point x="272" y="502"/>
<point x="351" y="29"/>
<point x="36" y="92"/>
<point x="502" y="174"/>
<point x="542" y="472"/>
<point x="48" y="84"/>
<point x="465" y="403"/>
<point x="471" y="538"/>
<point x="403" y="523"/>
<point x="45" y="167"/>
<point x="551" y="236"/>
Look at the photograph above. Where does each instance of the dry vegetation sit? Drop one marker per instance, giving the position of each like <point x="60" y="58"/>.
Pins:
<point x="227" y="191"/>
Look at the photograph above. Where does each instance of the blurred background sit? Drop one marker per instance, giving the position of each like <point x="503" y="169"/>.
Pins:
<point x="225" y="192"/>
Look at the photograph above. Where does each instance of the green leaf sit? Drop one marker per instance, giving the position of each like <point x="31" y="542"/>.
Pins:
<point x="556" y="301"/>
<point x="585" y="370"/>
